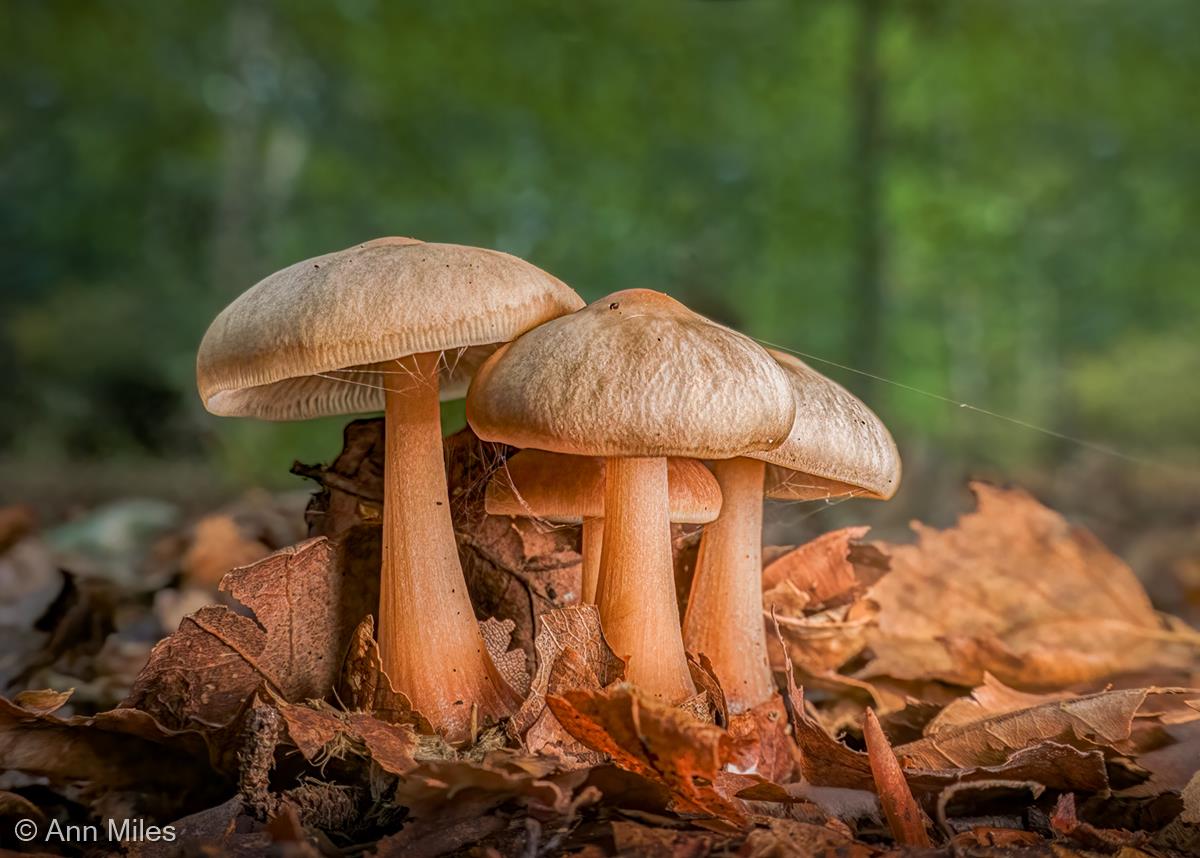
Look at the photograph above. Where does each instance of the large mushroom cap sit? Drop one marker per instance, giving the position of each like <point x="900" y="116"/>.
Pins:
<point x="837" y="446"/>
<point x="558" y="487"/>
<point x="301" y="343"/>
<point x="634" y="374"/>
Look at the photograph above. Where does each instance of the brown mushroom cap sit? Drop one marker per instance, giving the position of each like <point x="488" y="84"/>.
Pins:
<point x="837" y="446"/>
<point x="636" y="374"/>
<point x="304" y="342"/>
<point x="568" y="489"/>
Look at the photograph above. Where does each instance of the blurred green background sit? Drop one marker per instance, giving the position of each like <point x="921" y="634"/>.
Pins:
<point x="994" y="201"/>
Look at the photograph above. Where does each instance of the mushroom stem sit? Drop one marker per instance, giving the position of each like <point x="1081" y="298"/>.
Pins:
<point x="429" y="640"/>
<point x="636" y="591"/>
<point x="592" y="543"/>
<point x="724" y="617"/>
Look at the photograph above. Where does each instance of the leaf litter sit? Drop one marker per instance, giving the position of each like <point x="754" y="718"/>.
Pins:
<point x="1003" y="654"/>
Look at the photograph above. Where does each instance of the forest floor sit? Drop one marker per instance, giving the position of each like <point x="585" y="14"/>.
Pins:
<point x="999" y="684"/>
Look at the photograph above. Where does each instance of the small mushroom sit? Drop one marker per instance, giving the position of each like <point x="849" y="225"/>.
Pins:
<point x="570" y="490"/>
<point x="635" y="377"/>
<point x="837" y="448"/>
<point x="394" y="324"/>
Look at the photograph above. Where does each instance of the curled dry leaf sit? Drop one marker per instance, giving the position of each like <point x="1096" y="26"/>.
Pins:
<point x="321" y="732"/>
<point x="1015" y="590"/>
<point x="571" y="654"/>
<point x="988" y="700"/>
<point x="363" y="685"/>
<point x="821" y="596"/>
<point x="122" y="759"/>
<point x="770" y="750"/>
<point x="1102" y="721"/>
<point x="306" y="600"/>
<point x="659" y="743"/>
<point x="828" y="762"/>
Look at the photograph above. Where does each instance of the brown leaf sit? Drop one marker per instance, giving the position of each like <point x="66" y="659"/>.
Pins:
<point x="828" y="762"/>
<point x="363" y="685"/>
<point x="571" y="654"/>
<point x="43" y="702"/>
<point x="987" y="701"/>
<point x="321" y="732"/>
<point x="831" y="570"/>
<point x="227" y="830"/>
<point x="122" y="758"/>
<point x="1065" y="823"/>
<point x="218" y="545"/>
<point x="788" y="838"/>
<point x="306" y="601"/>
<point x="1015" y="590"/>
<point x="660" y="743"/>
<point x="999" y="838"/>
<point x="772" y="752"/>
<point x="709" y="704"/>
<point x="1103" y="721"/>
<point x="904" y="818"/>
<point x="497" y="634"/>
<point x="820" y="594"/>
<point x="632" y="838"/>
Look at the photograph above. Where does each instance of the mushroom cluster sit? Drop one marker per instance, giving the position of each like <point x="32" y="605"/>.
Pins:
<point x="633" y="412"/>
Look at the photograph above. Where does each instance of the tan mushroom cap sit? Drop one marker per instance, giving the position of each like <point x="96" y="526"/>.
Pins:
<point x="563" y="488"/>
<point x="837" y="445"/>
<point x="636" y="374"/>
<point x="306" y="341"/>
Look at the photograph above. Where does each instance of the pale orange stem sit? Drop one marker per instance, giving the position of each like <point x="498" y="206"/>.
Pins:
<point x="636" y="592"/>
<point x="724" y="617"/>
<point x="429" y="640"/>
<point x="592" y="543"/>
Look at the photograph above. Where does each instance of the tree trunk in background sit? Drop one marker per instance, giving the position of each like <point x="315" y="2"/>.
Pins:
<point x="866" y="149"/>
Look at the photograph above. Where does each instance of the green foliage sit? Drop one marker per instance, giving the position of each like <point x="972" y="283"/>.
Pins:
<point x="1038" y="176"/>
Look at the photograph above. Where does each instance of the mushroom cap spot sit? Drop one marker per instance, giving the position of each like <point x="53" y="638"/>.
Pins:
<point x="563" y="488"/>
<point x="306" y="341"/>
<point x="633" y="374"/>
<point x="837" y="445"/>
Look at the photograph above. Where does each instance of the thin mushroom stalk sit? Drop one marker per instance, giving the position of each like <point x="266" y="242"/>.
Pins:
<point x="636" y="592"/>
<point x="591" y="544"/>
<point x="724" y="616"/>
<point x="429" y="640"/>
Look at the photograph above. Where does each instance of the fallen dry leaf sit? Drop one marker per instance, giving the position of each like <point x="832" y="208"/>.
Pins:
<point x="1102" y="721"/>
<point x="1065" y="823"/>
<point x="571" y="654"/>
<point x="1015" y="590"/>
<point x="786" y="838"/>
<point x="306" y="601"/>
<point x="828" y="762"/>
<point x="987" y="701"/>
<point x="320" y="732"/>
<point x="363" y="686"/>
<point x="904" y="817"/>
<point x="123" y="760"/>
<point x="770" y="750"/>
<point x="217" y="546"/>
<point x="820" y="595"/>
<point x="660" y="743"/>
